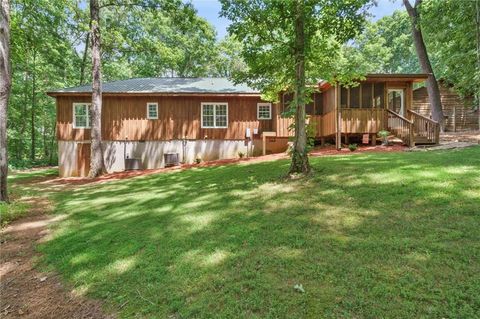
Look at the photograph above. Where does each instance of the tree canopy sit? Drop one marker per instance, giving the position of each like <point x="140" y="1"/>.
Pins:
<point x="168" y="38"/>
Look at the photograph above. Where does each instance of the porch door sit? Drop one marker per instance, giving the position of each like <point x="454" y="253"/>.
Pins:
<point x="396" y="101"/>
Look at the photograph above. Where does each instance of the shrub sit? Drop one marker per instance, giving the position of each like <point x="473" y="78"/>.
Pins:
<point x="241" y="154"/>
<point x="352" y="147"/>
<point x="198" y="160"/>
<point x="384" y="135"/>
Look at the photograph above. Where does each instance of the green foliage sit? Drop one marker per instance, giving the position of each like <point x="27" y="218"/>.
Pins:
<point x="228" y="60"/>
<point x="266" y="29"/>
<point x="19" y="183"/>
<point x="384" y="135"/>
<point x="43" y="57"/>
<point x="352" y="147"/>
<point x="369" y="237"/>
<point x="448" y="27"/>
<point x="385" y="46"/>
<point x="143" y="38"/>
<point x="450" y="34"/>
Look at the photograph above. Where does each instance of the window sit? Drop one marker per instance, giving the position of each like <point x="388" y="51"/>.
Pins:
<point x="81" y="115"/>
<point x="152" y="111"/>
<point x="264" y="111"/>
<point x="214" y="115"/>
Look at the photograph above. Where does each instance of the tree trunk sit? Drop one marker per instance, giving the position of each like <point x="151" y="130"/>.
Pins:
<point x="32" y="123"/>
<point x="5" y="86"/>
<point x="300" y="164"/>
<point x="96" y="163"/>
<point x="85" y="54"/>
<point x="422" y="54"/>
<point x="477" y="95"/>
<point x="52" y="142"/>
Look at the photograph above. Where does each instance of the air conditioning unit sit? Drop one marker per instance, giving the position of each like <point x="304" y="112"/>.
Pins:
<point x="171" y="159"/>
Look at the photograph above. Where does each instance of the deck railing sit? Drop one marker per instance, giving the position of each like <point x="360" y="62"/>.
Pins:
<point x="283" y="125"/>
<point x="425" y="127"/>
<point x="401" y="127"/>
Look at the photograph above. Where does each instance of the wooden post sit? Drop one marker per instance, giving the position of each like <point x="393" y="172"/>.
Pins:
<point x="374" y="139"/>
<point x="454" y="118"/>
<point x="322" y="141"/>
<point x="346" y="139"/>
<point x="338" y="140"/>
<point x="411" y="136"/>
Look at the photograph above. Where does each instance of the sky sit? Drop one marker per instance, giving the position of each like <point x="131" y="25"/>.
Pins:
<point x="209" y="10"/>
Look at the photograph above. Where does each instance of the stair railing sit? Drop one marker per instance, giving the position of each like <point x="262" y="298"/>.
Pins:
<point x="400" y="127"/>
<point x="425" y="127"/>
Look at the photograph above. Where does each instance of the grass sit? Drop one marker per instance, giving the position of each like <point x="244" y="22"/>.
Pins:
<point x="369" y="236"/>
<point x="18" y="208"/>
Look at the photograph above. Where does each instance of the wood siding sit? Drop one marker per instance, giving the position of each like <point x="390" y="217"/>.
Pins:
<point x="178" y="117"/>
<point x="362" y="120"/>
<point x="459" y="113"/>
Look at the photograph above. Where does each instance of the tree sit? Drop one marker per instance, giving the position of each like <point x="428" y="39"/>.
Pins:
<point x="432" y="84"/>
<point x="5" y="86"/>
<point x="97" y="164"/>
<point x="448" y="32"/>
<point x="287" y="44"/>
<point x="43" y="55"/>
<point x="228" y="60"/>
<point x="385" y="46"/>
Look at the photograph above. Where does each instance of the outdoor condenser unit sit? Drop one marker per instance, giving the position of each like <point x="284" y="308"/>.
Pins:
<point x="171" y="159"/>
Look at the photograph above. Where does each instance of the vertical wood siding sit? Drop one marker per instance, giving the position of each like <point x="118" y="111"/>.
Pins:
<point x="178" y="117"/>
<point x="459" y="113"/>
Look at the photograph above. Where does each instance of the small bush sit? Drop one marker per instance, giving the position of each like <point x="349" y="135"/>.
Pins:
<point x="384" y="135"/>
<point x="241" y="154"/>
<point x="198" y="160"/>
<point x="352" y="147"/>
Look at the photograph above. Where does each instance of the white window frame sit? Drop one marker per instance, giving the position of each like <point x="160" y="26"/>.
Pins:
<point x="214" y="114"/>
<point x="269" y="108"/>
<point x="75" y="118"/>
<point x="148" y="110"/>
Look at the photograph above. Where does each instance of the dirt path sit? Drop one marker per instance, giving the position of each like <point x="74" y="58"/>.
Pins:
<point x="25" y="291"/>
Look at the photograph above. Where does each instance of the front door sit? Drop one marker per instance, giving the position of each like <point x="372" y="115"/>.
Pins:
<point x="396" y="101"/>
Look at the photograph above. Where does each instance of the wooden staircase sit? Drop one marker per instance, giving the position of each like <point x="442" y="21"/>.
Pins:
<point x="418" y="130"/>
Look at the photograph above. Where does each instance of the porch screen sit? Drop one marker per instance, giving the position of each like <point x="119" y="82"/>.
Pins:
<point x="343" y="97"/>
<point x="317" y="96"/>
<point x="355" y="97"/>
<point x="379" y="95"/>
<point x="367" y="101"/>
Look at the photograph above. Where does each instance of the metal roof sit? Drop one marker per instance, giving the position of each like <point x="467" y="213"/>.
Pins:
<point x="166" y="85"/>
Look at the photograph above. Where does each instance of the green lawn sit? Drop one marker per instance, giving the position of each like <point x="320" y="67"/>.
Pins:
<point x="369" y="236"/>
<point x="17" y="208"/>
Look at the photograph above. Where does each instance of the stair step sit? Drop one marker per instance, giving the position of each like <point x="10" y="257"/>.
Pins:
<point x="423" y="140"/>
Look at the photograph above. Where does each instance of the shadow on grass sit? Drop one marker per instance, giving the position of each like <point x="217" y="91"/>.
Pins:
<point x="378" y="235"/>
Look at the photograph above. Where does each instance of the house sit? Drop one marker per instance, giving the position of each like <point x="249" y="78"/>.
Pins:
<point x="149" y="119"/>
<point x="459" y="112"/>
